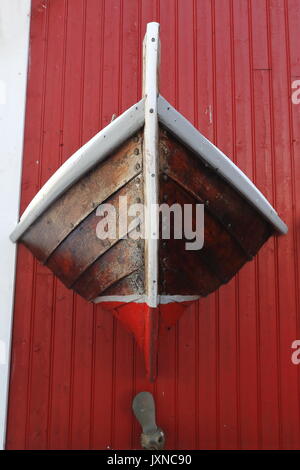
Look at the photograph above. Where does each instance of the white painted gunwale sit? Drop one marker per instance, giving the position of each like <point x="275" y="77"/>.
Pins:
<point x="85" y="158"/>
<point x="215" y="158"/>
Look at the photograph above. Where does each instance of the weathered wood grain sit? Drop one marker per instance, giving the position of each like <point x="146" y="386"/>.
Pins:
<point x="240" y="219"/>
<point x="44" y="236"/>
<point x="220" y="258"/>
<point x="82" y="247"/>
<point x="124" y="258"/>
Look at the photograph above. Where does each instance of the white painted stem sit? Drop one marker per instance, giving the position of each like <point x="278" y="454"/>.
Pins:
<point x="151" y="161"/>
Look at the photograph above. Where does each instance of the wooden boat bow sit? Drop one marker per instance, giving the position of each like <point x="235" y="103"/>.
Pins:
<point x="150" y="155"/>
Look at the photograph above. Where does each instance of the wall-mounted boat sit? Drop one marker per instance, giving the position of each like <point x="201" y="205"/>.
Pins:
<point x="151" y="155"/>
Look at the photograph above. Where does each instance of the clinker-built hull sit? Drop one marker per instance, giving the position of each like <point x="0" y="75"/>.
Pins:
<point x="149" y="156"/>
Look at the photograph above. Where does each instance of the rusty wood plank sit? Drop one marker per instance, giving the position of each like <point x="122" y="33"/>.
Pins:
<point x="124" y="258"/>
<point x="132" y="284"/>
<point x="221" y="255"/>
<point x="239" y="218"/>
<point x="82" y="247"/>
<point x="183" y="272"/>
<point x="44" y="236"/>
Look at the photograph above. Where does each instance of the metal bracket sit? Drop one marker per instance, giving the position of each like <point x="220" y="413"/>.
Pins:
<point x="152" y="437"/>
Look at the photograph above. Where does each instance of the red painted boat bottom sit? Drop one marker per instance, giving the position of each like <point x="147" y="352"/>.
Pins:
<point x="148" y="325"/>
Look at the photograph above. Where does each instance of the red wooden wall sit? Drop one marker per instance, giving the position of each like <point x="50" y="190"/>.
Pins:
<point x="225" y="374"/>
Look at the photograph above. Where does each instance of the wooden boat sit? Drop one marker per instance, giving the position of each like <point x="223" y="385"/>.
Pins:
<point x="151" y="154"/>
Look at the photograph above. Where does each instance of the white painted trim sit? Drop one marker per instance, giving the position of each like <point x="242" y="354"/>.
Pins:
<point x="192" y="138"/>
<point x="151" y="160"/>
<point x="91" y="153"/>
<point x="163" y="299"/>
<point x="14" y="40"/>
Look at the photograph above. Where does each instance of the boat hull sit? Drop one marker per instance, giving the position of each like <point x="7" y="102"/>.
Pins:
<point x="113" y="270"/>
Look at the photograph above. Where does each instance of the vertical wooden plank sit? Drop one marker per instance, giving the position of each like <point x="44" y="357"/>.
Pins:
<point x="18" y="391"/>
<point x="102" y="380"/>
<point x="91" y="124"/>
<point x="111" y="104"/>
<point x="111" y="71"/>
<point x="292" y="11"/>
<point x="59" y="379"/>
<point x="186" y="325"/>
<point x="166" y="385"/>
<point x="185" y="59"/>
<point x="82" y="319"/>
<point x="131" y="61"/>
<point x="207" y="387"/>
<point x="167" y="36"/>
<point x="43" y="288"/>
<point x="186" y="379"/>
<point x="267" y="391"/>
<point x="124" y="352"/>
<point x="203" y="67"/>
<point x="206" y="312"/>
<point x="139" y="383"/>
<point x="40" y="362"/>
<point x="82" y="347"/>
<point x="246" y="279"/>
<point x="227" y="295"/>
<point x="121" y="435"/>
<point x="103" y="331"/>
<point x="101" y="320"/>
<point x="281" y="122"/>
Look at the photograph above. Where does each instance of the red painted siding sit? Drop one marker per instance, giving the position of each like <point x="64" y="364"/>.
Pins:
<point x="225" y="374"/>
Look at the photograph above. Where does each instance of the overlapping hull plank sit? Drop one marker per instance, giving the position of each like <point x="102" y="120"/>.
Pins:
<point x="204" y="270"/>
<point x="133" y="284"/>
<point x="67" y="212"/>
<point x="123" y="259"/>
<point x="83" y="247"/>
<point x="237" y="216"/>
<point x="233" y="230"/>
<point x="65" y="237"/>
